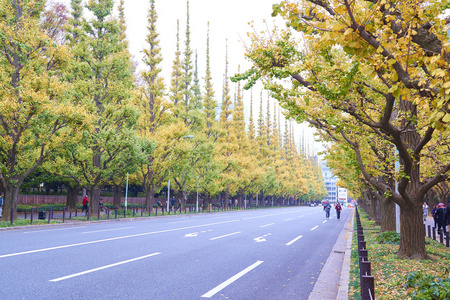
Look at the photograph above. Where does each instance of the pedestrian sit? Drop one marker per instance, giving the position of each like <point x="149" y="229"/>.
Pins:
<point x="173" y="202"/>
<point x="85" y="204"/>
<point x="338" y="208"/>
<point x="433" y="213"/>
<point x="441" y="218"/>
<point x="447" y="217"/>
<point x="425" y="211"/>
<point x="327" y="208"/>
<point x="100" y="204"/>
<point x="1" y="203"/>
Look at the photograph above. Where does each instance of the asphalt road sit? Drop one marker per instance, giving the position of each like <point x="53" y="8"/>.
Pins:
<point x="258" y="254"/>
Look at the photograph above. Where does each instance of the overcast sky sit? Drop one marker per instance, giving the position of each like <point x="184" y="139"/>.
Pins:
<point x="229" y="23"/>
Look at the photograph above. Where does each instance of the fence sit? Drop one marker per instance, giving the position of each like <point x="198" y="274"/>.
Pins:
<point x="367" y="281"/>
<point x="432" y="234"/>
<point x="52" y="199"/>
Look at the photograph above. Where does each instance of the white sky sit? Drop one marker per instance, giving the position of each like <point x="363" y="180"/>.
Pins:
<point x="228" y="21"/>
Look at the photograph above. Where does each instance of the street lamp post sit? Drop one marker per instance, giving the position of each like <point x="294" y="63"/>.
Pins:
<point x="196" y="203"/>
<point x="126" y="194"/>
<point x="168" y="192"/>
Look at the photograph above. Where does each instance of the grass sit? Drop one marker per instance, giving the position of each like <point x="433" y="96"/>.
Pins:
<point x="391" y="274"/>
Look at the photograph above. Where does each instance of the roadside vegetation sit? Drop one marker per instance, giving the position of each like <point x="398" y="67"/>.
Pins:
<point x="399" y="278"/>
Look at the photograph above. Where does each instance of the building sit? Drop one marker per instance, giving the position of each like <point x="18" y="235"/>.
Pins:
<point x="334" y="192"/>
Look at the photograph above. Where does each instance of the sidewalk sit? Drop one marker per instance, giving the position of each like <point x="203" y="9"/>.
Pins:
<point x="334" y="278"/>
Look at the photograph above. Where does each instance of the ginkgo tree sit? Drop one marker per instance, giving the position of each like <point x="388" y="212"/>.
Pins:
<point x="36" y="116"/>
<point x="383" y="64"/>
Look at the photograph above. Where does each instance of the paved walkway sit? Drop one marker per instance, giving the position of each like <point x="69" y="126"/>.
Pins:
<point x="334" y="278"/>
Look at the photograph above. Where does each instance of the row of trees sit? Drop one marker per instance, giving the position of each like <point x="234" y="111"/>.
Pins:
<point x="374" y="78"/>
<point x="71" y="106"/>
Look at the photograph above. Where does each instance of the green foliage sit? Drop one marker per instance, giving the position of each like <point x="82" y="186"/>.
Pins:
<point x="389" y="237"/>
<point x="428" y="286"/>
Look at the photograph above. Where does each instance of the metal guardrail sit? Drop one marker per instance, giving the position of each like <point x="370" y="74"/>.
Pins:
<point x="367" y="281"/>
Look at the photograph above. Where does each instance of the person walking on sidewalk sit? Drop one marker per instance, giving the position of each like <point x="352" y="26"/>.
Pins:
<point x="447" y="216"/>
<point x="425" y="211"/>
<point x="433" y="213"/>
<point x="441" y="218"/>
<point x="85" y="204"/>
<point x="1" y="203"/>
<point x="327" y="208"/>
<point x="338" y="208"/>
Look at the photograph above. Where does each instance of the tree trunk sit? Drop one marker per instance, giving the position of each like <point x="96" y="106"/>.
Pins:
<point x="95" y="197"/>
<point x="183" y="200"/>
<point x="72" y="197"/>
<point x="388" y="222"/>
<point x="206" y="202"/>
<point x="10" y="202"/>
<point x="149" y="197"/>
<point x="412" y="240"/>
<point x="225" y="197"/>
<point x="117" y="196"/>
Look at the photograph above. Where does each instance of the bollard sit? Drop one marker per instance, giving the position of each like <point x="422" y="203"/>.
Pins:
<point x="98" y="215"/>
<point x="124" y="212"/>
<point x="162" y="210"/>
<point x="142" y="211"/>
<point x="25" y="214"/>
<point x="441" y="237"/>
<point x="134" y="211"/>
<point x="361" y="245"/>
<point x="447" y="240"/>
<point x="70" y="215"/>
<point x="429" y="230"/>
<point x="88" y="212"/>
<point x="12" y="216"/>
<point x="363" y="253"/>
<point x="434" y="233"/>
<point x="76" y="212"/>
<point x="31" y="217"/>
<point x="107" y="211"/>
<point x="360" y="238"/>
<point x="116" y="212"/>
<point x="64" y="214"/>
<point x="365" y="268"/>
<point x="367" y="288"/>
<point x="49" y="215"/>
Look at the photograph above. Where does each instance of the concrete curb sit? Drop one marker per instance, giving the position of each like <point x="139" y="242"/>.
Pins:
<point x="333" y="280"/>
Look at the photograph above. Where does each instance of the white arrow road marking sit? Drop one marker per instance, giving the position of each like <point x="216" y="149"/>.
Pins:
<point x="191" y="234"/>
<point x="231" y="280"/>
<point x="194" y="234"/>
<point x="104" y="267"/>
<point x="261" y="238"/>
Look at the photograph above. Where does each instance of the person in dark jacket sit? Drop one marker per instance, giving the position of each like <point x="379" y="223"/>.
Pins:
<point x="433" y="213"/>
<point x="447" y="216"/>
<point x="441" y="218"/>
<point x="338" y="208"/>
<point x="327" y="208"/>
